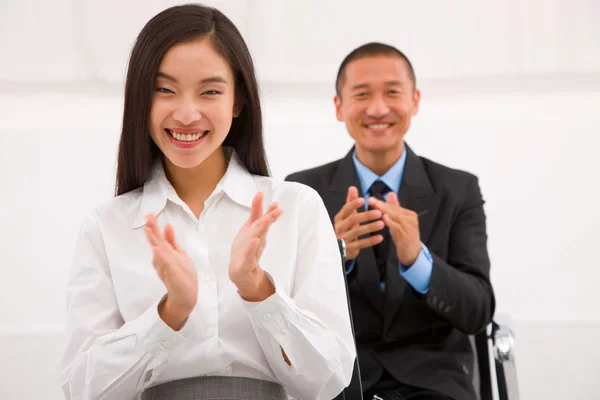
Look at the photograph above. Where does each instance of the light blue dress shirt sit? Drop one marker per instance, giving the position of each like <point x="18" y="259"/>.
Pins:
<point x="419" y="274"/>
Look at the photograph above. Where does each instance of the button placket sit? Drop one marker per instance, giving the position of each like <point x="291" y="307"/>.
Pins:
<point x="207" y="287"/>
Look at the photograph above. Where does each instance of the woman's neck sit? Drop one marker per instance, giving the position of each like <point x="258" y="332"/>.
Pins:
<point x="194" y="185"/>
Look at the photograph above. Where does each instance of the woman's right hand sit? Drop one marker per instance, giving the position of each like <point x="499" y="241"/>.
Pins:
<point x="175" y="268"/>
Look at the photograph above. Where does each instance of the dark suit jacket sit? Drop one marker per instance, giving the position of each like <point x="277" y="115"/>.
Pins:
<point x="421" y="340"/>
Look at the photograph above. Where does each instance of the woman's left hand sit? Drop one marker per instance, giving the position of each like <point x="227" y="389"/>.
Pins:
<point x="247" y="248"/>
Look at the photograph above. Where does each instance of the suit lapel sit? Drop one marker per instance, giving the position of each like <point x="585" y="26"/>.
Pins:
<point x="416" y="194"/>
<point x="367" y="276"/>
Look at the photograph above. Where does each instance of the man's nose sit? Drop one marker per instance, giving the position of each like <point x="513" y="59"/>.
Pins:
<point x="378" y="107"/>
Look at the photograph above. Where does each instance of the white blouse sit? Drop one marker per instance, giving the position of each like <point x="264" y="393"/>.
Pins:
<point x="117" y="345"/>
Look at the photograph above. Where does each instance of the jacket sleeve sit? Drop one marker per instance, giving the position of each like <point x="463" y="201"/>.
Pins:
<point x="460" y="290"/>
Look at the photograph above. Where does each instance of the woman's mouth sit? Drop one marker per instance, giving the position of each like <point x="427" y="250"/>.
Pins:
<point x="186" y="137"/>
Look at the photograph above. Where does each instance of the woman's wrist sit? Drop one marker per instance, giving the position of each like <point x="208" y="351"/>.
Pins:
<point x="171" y="314"/>
<point x="257" y="289"/>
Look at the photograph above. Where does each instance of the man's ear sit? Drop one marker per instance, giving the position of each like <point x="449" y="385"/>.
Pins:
<point x="416" y="101"/>
<point x="337" y="100"/>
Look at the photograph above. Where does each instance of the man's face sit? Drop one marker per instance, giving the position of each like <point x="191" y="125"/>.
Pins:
<point x="377" y="101"/>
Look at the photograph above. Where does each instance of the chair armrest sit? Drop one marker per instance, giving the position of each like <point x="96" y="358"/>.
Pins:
<point x="503" y="342"/>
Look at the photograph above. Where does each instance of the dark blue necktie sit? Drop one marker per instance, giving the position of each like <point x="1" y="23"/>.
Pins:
<point x="378" y="190"/>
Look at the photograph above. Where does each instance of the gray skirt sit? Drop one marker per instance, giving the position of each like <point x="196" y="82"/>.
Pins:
<point x="216" y="388"/>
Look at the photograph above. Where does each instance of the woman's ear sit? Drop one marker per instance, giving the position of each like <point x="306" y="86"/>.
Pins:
<point x="237" y="108"/>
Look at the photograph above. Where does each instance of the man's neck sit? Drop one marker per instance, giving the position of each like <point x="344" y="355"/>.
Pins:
<point x="379" y="162"/>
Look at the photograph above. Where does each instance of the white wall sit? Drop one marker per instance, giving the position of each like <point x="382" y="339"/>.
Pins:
<point x="525" y="121"/>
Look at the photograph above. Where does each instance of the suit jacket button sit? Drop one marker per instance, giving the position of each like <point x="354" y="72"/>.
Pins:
<point x="448" y="308"/>
<point x="441" y="305"/>
<point x="434" y="301"/>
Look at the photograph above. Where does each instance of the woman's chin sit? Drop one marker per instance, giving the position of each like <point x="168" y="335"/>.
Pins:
<point x="185" y="161"/>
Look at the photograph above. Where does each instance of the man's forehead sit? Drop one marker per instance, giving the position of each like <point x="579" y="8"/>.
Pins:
<point x="379" y="69"/>
<point x="377" y="62"/>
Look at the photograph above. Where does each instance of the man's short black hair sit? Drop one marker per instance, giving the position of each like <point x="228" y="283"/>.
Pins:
<point x="371" y="50"/>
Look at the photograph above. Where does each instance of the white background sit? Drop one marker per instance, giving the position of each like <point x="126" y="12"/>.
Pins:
<point x="511" y="92"/>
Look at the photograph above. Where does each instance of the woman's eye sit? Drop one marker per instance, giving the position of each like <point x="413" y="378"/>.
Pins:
<point x="164" y="90"/>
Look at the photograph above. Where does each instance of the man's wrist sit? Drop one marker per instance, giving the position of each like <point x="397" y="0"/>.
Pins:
<point x="411" y="261"/>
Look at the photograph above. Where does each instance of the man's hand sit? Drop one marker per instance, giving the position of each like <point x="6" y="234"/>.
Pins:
<point x="246" y="249"/>
<point x="403" y="225"/>
<point x="350" y="225"/>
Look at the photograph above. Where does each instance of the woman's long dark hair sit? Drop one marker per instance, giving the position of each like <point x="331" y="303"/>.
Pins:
<point x="137" y="151"/>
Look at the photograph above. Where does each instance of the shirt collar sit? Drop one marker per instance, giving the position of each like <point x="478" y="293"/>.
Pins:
<point x="237" y="183"/>
<point x="392" y="178"/>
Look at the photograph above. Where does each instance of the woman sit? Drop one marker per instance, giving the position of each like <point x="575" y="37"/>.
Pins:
<point x="182" y="286"/>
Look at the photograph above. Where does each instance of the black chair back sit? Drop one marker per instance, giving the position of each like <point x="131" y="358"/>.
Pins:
<point x="354" y="390"/>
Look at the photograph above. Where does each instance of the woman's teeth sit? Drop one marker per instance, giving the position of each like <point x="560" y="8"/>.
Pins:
<point x="187" y="137"/>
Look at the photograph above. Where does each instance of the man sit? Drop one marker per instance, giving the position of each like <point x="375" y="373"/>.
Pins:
<point x="415" y="237"/>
